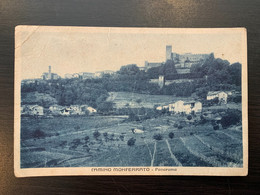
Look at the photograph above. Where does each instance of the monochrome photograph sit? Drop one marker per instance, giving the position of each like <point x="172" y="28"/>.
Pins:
<point x="130" y="101"/>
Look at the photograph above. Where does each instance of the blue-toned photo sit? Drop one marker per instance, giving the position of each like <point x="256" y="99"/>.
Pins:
<point x="131" y="99"/>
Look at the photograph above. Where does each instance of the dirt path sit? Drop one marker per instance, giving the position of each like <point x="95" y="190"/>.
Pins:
<point x="150" y="152"/>
<point x="172" y="155"/>
<point x="154" y="152"/>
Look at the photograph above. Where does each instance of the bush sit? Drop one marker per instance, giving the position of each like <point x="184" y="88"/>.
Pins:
<point x="171" y="135"/>
<point x="38" y="134"/>
<point x="138" y="101"/>
<point x="232" y="117"/>
<point x="216" y="127"/>
<point x="77" y="127"/>
<point x="180" y="127"/>
<point x="86" y="139"/>
<point x="158" y="137"/>
<point x="175" y="125"/>
<point x="122" y="137"/>
<point x="202" y="120"/>
<point x="189" y="117"/>
<point x="96" y="134"/>
<point x="131" y="141"/>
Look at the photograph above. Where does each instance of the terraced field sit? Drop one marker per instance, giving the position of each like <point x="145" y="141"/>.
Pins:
<point x="220" y="148"/>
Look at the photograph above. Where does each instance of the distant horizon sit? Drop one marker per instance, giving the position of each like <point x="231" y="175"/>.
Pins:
<point x="70" y="50"/>
<point x="63" y="76"/>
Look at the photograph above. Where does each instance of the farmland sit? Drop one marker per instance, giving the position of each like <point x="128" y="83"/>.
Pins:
<point x="75" y="143"/>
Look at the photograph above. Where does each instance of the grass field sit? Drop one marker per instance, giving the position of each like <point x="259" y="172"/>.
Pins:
<point x="121" y="99"/>
<point x="67" y="146"/>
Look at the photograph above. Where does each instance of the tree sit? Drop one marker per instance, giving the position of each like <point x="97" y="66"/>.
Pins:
<point x="171" y="135"/>
<point x="158" y="136"/>
<point x="235" y="73"/>
<point x="189" y="117"/>
<point x="38" y="134"/>
<point x="131" y="141"/>
<point x="96" y="134"/>
<point x="130" y="69"/>
<point x="86" y="139"/>
<point x="232" y="117"/>
<point x="168" y="69"/>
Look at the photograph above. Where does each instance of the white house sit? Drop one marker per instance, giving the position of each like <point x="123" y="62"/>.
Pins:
<point x="91" y="110"/>
<point x="75" y="110"/>
<point x="220" y="95"/>
<point x="64" y="112"/>
<point x="34" y="110"/>
<point x="56" y="109"/>
<point x="184" y="107"/>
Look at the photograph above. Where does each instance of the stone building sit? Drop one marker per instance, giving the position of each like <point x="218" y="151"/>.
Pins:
<point x="49" y="75"/>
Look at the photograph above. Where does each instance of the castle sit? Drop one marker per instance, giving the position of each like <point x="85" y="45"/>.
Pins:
<point x="183" y="62"/>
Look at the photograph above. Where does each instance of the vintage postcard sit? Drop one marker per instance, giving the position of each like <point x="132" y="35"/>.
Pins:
<point x="130" y="101"/>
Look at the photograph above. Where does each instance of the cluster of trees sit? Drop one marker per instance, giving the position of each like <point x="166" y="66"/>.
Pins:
<point x="218" y="71"/>
<point x="210" y="75"/>
<point x="71" y="91"/>
<point x="213" y="74"/>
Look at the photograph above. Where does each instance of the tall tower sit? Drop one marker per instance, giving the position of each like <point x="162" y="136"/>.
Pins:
<point x="168" y="52"/>
<point x="49" y="73"/>
<point x="161" y="81"/>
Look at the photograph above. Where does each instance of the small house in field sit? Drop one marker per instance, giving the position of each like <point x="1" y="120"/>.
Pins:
<point x="138" y="131"/>
<point x="162" y="107"/>
<point x="220" y="95"/>
<point x="33" y="110"/>
<point x="91" y="110"/>
<point x="87" y="109"/>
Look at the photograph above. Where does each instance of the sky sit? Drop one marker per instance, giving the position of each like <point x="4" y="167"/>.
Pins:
<point x="79" y="49"/>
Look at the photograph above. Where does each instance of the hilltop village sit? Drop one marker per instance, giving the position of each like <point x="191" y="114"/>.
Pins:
<point x="176" y="76"/>
<point x="184" y="111"/>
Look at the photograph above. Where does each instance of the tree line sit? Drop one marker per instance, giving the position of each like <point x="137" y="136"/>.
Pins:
<point x="213" y="74"/>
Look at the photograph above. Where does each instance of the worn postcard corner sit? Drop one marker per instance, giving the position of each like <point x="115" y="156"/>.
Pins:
<point x="130" y="101"/>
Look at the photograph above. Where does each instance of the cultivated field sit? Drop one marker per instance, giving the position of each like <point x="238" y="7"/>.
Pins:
<point x="75" y="144"/>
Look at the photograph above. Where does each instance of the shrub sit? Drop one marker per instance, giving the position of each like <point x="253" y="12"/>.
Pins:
<point x="131" y="141"/>
<point x="86" y="139"/>
<point x="63" y="143"/>
<point x="96" y="134"/>
<point x="216" y="127"/>
<point x="175" y="125"/>
<point x="38" y="134"/>
<point x="180" y="127"/>
<point x="158" y="137"/>
<point x="171" y="135"/>
<point x="202" y="120"/>
<point x="232" y="117"/>
<point x="77" y="127"/>
<point x="138" y="101"/>
<point x="74" y="144"/>
<point x="189" y="117"/>
<point x="105" y="136"/>
<point x="122" y="137"/>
